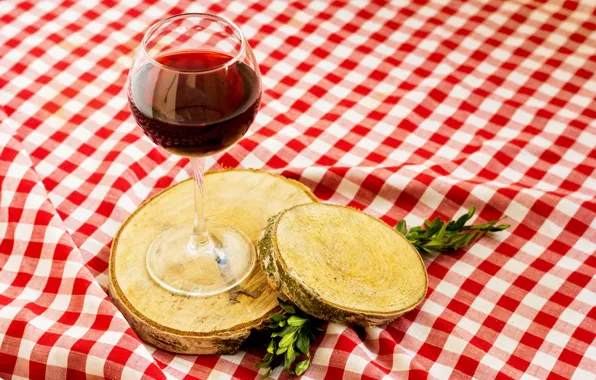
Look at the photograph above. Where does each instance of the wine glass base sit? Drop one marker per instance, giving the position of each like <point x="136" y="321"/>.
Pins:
<point x="214" y="267"/>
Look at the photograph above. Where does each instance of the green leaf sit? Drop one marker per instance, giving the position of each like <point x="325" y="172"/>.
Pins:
<point x="272" y="347"/>
<point x="459" y="223"/>
<point x="277" y="317"/>
<point x="441" y="231"/>
<point x="432" y="224"/>
<point x="266" y="362"/>
<point x="471" y="212"/>
<point x="303" y="342"/>
<point x="483" y="226"/>
<point x="413" y="236"/>
<point x="457" y="241"/>
<point x="288" y="330"/>
<point x="291" y="352"/>
<point x="421" y="248"/>
<point x="302" y="366"/>
<point x="434" y="244"/>
<point x="500" y="228"/>
<point x="286" y="307"/>
<point x="296" y="321"/>
<point x="289" y="358"/>
<point x="401" y="227"/>
<point x="282" y="323"/>
<point x="287" y="339"/>
<point x="470" y="238"/>
<point x="434" y="227"/>
<point x="281" y="350"/>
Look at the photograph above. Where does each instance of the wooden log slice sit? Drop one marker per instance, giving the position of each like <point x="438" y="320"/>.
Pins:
<point x="341" y="265"/>
<point x="199" y="325"/>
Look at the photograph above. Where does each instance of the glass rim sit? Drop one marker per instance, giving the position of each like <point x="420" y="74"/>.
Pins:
<point x="223" y="19"/>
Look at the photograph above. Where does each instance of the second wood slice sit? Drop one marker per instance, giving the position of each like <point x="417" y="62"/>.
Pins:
<point x="218" y="324"/>
<point x="341" y="265"/>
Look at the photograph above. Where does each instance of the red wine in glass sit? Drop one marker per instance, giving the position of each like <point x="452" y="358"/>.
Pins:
<point x="191" y="104"/>
<point x="194" y="88"/>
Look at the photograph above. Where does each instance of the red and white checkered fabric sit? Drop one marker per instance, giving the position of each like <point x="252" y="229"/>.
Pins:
<point x="405" y="109"/>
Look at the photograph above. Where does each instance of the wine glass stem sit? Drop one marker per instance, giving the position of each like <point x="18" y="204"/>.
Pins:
<point x="199" y="237"/>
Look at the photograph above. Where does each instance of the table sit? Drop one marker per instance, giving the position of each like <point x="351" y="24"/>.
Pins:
<point x="402" y="109"/>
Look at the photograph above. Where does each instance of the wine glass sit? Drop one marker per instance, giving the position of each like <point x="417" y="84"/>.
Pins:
<point x="195" y="88"/>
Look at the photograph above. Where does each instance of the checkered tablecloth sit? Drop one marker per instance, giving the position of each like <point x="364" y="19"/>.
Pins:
<point x="405" y="109"/>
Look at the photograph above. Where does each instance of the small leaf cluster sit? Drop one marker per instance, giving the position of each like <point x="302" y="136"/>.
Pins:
<point x="291" y="335"/>
<point x="449" y="236"/>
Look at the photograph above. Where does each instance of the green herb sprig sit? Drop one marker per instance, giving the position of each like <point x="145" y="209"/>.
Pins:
<point x="449" y="236"/>
<point x="291" y="335"/>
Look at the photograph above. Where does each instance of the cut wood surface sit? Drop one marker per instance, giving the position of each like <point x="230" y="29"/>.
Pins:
<point x="339" y="264"/>
<point x="218" y="324"/>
